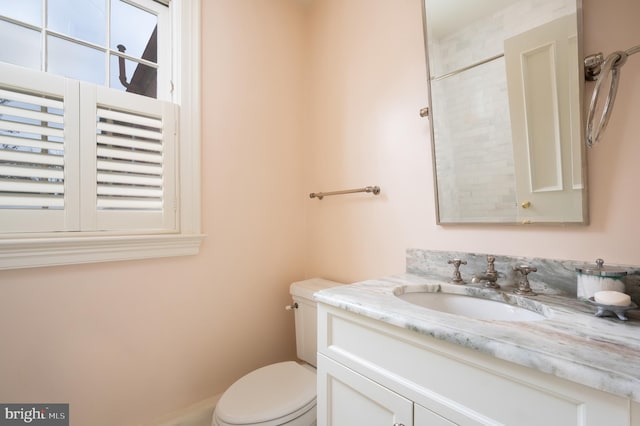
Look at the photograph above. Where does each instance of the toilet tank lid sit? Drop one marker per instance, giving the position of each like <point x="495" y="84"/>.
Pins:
<point x="306" y="288"/>
<point x="268" y="393"/>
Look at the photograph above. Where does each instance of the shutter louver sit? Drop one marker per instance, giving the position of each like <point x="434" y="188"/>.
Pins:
<point x="129" y="155"/>
<point x="31" y="151"/>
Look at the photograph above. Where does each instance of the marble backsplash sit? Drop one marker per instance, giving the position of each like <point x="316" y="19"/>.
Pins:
<point x="552" y="276"/>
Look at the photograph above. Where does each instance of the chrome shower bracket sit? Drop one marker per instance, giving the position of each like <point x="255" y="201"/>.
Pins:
<point x="599" y="69"/>
<point x="592" y="66"/>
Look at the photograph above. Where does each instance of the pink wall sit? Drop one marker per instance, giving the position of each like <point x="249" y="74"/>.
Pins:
<point x="295" y="99"/>
<point x="368" y="72"/>
<point x="127" y="342"/>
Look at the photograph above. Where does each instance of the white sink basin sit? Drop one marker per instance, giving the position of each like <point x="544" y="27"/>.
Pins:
<point x="472" y="307"/>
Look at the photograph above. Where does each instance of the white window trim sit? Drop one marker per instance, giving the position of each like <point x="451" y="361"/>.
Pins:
<point x="71" y="248"/>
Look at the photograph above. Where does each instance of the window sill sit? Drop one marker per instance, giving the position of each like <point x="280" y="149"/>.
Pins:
<point x="52" y="251"/>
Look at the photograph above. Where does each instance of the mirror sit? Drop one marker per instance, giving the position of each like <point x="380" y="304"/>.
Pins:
<point x="506" y="115"/>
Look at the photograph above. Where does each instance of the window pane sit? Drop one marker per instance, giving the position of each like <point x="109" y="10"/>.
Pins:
<point x="139" y="78"/>
<point x="75" y="61"/>
<point x="29" y="11"/>
<point x="20" y="45"/>
<point x="135" y="29"/>
<point x="81" y="19"/>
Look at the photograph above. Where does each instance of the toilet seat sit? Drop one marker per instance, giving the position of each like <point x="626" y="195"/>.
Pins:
<point x="269" y="396"/>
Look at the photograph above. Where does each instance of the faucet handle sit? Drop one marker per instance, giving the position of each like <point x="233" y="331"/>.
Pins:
<point x="491" y="269"/>
<point x="525" y="269"/>
<point x="523" y="285"/>
<point x="457" y="278"/>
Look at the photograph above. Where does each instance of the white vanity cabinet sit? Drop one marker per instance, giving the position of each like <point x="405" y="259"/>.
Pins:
<point x="373" y="373"/>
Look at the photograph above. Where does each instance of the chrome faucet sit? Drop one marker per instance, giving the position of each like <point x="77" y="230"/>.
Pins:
<point x="490" y="276"/>
<point x="523" y="285"/>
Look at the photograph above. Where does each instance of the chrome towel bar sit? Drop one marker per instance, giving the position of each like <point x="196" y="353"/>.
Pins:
<point x="319" y="195"/>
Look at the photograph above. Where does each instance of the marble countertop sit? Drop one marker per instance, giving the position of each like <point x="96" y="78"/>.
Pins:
<point x="572" y="343"/>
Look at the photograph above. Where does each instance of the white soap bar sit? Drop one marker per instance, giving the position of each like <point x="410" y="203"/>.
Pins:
<point x="612" y="298"/>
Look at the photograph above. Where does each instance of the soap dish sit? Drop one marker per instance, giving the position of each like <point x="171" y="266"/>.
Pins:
<point x="612" y="310"/>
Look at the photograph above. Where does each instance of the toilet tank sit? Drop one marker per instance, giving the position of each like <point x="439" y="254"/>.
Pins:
<point x="306" y="316"/>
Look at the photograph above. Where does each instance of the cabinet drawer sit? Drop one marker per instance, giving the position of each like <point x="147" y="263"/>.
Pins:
<point x="463" y="385"/>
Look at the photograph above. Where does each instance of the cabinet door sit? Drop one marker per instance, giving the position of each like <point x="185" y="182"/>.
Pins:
<point x="346" y="398"/>
<point x="425" y="417"/>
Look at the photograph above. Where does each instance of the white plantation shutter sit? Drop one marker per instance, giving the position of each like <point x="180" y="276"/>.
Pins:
<point x="133" y="178"/>
<point x="36" y="136"/>
<point x="78" y="157"/>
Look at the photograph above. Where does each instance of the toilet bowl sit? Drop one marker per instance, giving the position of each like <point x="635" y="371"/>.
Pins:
<point x="283" y="393"/>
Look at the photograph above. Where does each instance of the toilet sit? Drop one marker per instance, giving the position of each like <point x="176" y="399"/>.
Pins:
<point x="283" y="393"/>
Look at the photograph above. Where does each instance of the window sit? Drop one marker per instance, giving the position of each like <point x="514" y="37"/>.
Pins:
<point x="124" y="45"/>
<point x="93" y="163"/>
